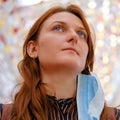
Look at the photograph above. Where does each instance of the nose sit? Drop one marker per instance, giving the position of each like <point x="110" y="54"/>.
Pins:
<point x="72" y="36"/>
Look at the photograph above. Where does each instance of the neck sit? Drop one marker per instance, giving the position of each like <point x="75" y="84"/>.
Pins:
<point x="60" y="85"/>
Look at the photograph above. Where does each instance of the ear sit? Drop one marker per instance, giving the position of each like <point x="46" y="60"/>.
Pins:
<point x="32" y="49"/>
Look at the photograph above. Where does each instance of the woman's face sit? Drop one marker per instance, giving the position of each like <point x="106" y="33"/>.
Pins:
<point x="62" y="43"/>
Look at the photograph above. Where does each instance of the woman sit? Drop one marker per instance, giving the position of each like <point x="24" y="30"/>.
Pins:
<point x="58" y="56"/>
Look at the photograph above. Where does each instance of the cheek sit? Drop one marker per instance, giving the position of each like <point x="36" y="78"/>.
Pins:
<point x="50" y="42"/>
<point x="47" y="48"/>
<point x="84" y="49"/>
<point x="44" y="43"/>
<point x="44" y="49"/>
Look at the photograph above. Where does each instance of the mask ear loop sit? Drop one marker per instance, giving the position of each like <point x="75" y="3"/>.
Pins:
<point x="92" y="73"/>
<point x="89" y="69"/>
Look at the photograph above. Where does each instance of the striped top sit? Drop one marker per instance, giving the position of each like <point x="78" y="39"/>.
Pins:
<point x="66" y="109"/>
<point x="63" y="109"/>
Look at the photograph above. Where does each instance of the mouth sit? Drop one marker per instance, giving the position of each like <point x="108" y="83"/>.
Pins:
<point x="72" y="49"/>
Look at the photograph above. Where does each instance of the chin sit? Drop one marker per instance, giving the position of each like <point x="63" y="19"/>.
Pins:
<point x="74" y="66"/>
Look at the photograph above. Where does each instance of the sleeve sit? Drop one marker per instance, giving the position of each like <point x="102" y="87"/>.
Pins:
<point x="117" y="114"/>
<point x="0" y="111"/>
<point x="5" y="111"/>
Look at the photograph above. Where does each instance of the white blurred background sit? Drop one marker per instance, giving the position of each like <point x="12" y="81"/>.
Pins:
<point x="17" y="16"/>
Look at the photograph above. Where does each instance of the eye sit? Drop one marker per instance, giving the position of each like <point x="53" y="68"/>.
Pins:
<point x="58" y="28"/>
<point x="82" y="34"/>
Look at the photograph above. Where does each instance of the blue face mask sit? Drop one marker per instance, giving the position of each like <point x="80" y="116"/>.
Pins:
<point x="90" y="97"/>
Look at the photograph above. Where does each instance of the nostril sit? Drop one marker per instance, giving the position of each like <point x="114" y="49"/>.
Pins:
<point x="72" y="36"/>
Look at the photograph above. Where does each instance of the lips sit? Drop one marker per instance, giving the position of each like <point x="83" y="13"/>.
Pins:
<point x="72" y="49"/>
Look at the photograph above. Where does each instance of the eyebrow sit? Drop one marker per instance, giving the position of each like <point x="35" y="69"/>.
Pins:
<point x="61" y="22"/>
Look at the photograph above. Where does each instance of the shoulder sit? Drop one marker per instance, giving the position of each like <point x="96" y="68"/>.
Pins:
<point x="113" y="112"/>
<point x="5" y="110"/>
<point x="117" y="114"/>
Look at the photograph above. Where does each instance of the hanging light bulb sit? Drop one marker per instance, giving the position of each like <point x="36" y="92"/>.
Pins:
<point x="28" y="2"/>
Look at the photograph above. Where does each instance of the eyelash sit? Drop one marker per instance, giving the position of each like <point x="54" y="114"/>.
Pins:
<point x="83" y="35"/>
<point x="61" y="29"/>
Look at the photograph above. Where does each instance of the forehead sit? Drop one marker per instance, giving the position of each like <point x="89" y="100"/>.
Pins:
<point x="66" y="17"/>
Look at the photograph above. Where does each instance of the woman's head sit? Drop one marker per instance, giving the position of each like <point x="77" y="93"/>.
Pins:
<point x="35" y="30"/>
